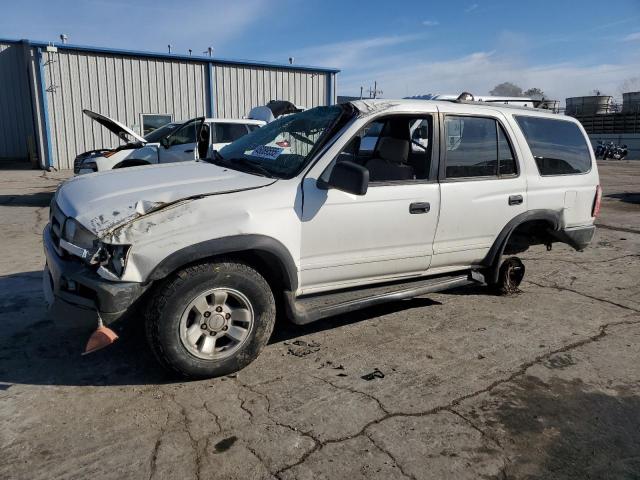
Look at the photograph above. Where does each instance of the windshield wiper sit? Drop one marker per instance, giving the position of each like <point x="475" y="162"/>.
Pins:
<point x="233" y="163"/>
<point x="255" y="167"/>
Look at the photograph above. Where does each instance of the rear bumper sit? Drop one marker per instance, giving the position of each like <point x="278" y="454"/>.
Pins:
<point x="75" y="284"/>
<point x="578" y="237"/>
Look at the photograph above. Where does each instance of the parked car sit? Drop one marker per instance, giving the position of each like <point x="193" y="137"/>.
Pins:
<point x="211" y="251"/>
<point x="174" y="142"/>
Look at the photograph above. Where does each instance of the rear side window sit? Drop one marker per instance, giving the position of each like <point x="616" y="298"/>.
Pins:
<point x="477" y="147"/>
<point x="229" y="132"/>
<point x="559" y="147"/>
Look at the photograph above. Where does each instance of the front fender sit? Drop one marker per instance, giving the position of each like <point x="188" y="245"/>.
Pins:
<point x="233" y="244"/>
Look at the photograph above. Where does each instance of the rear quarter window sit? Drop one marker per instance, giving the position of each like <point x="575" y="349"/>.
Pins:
<point x="558" y="146"/>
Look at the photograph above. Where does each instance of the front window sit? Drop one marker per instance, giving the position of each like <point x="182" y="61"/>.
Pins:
<point x="156" y="135"/>
<point x="284" y="146"/>
<point x="186" y="134"/>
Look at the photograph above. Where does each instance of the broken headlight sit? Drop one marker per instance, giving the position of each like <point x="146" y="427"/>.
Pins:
<point x="112" y="260"/>
<point x="76" y="234"/>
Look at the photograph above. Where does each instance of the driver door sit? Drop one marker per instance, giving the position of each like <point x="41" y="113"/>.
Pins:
<point x="182" y="145"/>
<point x="383" y="235"/>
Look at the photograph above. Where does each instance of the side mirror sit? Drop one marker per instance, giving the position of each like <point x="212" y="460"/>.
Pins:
<point x="348" y="177"/>
<point x="164" y="141"/>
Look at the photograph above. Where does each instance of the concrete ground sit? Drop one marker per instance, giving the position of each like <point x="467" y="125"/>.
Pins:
<point x="544" y="384"/>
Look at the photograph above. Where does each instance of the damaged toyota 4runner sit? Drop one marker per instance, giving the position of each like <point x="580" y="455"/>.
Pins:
<point x="301" y="219"/>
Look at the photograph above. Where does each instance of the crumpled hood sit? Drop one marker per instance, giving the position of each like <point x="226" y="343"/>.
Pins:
<point x="104" y="201"/>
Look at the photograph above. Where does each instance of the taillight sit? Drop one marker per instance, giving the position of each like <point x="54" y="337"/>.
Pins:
<point x="283" y="143"/>
<point x="595" y="211"/>
<point x="108" y="154"/>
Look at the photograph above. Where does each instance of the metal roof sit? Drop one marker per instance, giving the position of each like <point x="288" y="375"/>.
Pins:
<point x="170" y="56"/>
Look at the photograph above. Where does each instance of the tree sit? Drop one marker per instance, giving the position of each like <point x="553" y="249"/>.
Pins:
<point x="535" y="93"/>
<point x="630" y="85"/>
<point x="506" y="89"/>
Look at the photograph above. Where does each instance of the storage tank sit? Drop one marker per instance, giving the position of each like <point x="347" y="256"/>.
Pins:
<point x="590" y="105"/>
<point x="631" y="102"/>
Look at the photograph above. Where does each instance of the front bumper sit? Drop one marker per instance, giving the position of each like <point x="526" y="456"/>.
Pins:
<point x="70" y="281"/>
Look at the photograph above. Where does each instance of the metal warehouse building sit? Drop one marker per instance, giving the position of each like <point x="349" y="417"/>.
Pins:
<point x="44" y="88"/>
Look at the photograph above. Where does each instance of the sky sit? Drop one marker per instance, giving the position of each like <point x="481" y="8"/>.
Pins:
<point x="566" y="48"/>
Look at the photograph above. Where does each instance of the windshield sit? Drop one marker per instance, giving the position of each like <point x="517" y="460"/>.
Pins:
<point x="284" y="146"/>
<point x="158" y="133"/>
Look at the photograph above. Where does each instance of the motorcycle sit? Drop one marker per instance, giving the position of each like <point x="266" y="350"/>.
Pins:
<point x="611" y="150"/>
<point x="619" y="152"/>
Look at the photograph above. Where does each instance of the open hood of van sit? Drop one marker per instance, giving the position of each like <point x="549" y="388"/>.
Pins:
<point x="114" y="126"/>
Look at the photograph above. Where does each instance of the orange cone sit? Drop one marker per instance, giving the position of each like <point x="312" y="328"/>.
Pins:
<point x="102" y="337"/>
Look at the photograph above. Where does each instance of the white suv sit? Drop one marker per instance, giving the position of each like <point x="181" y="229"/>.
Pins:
<point x="212" y="250"/>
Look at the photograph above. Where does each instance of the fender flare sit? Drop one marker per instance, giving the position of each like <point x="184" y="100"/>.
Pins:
<point x="232" y="244"/>
<point x="492" y="259"/>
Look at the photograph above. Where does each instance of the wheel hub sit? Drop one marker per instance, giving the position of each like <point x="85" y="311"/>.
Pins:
<point x="216" y="322"/>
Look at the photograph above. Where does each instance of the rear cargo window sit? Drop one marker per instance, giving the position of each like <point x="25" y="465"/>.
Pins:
<point x="558" y="146"/>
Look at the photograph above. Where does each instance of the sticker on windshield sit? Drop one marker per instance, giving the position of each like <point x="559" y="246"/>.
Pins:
<point x="269" y="153"/>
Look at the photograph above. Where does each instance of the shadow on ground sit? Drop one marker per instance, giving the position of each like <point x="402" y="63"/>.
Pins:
<point x="38" y="199"/>
<point x="37" y="349"/>
<point x="626" y="197"/>
<point x="566" y="430"/>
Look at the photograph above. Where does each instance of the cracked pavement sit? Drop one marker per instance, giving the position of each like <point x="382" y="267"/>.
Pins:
<point x="543" y="384"/>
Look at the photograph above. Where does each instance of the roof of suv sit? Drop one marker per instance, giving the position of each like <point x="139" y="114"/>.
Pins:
<point x="378" y="105"/>
<point x="235" y="120"/>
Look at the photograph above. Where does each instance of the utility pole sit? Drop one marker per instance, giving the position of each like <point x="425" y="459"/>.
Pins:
<point x="374" y="93"/>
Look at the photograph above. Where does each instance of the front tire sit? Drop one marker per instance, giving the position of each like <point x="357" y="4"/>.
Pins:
<point x="210" y="319"/>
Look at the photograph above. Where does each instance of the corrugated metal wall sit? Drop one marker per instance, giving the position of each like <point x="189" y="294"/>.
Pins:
<point x="44" y="88"/>
<point x="120" y="87"/>
<point x="16" y="118"/>
<point x="237" y="89"/>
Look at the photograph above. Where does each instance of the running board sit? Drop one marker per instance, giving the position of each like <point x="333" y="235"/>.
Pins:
<point x="307" y="309"/>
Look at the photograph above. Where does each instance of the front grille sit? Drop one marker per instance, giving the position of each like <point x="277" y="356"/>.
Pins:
<point x="56" y="219"/>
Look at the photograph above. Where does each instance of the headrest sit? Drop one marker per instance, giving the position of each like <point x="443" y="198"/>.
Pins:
<point x="393" y="149"/>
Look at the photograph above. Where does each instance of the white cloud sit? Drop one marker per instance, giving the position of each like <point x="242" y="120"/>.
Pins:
<point x="430" y="23"/>
<point x="479" y="72"/>
<point x="471" y="8"/>
<point x="361" y="52"/>
<point x="632" y="37"/>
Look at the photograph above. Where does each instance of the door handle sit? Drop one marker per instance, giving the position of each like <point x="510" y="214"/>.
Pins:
<point x="189" y="151"/>
<point x="515" y="199"/>
<point x="419" y="207"/>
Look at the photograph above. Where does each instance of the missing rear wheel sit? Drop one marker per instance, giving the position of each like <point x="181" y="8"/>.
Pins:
<point x="510" y="276"/>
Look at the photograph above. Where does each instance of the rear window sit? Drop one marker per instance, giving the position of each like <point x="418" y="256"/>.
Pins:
<point x="558" y="146"/>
